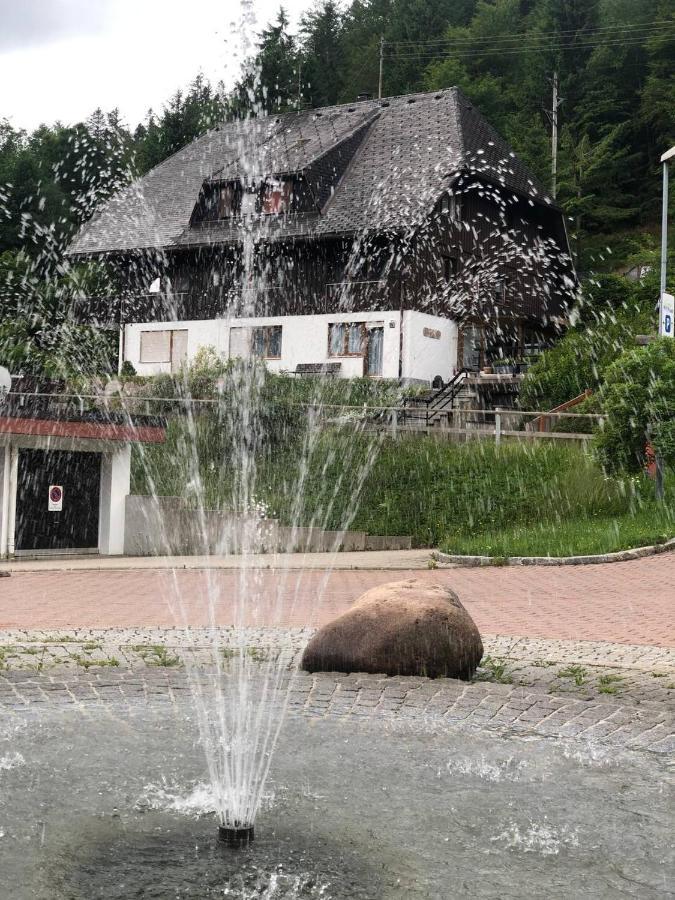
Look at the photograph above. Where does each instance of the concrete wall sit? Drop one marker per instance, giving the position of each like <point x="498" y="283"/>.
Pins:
<point x="164" y="526"/>
<point x="115" y="482"/>
<point x="427" y="355"/>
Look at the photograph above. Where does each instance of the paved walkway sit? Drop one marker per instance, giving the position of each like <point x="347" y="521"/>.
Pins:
<point x="631" y="602"/>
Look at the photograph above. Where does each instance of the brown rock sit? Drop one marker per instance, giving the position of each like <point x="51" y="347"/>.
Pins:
<point x="411" y="627"/>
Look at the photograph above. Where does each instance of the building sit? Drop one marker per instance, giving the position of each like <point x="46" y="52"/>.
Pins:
<point x="325" y="236"/>
<point x="65" y="474"/>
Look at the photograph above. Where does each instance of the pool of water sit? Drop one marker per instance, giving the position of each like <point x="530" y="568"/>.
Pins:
<point x="105" y="802"/>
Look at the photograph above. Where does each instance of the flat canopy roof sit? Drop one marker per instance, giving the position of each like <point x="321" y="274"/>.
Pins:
<point x="45" y="416"/>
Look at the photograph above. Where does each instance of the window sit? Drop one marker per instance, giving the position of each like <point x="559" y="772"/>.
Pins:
<point x="165" y="346"/>
<point x="449" y="205"/>
<point x="155" y="346"/>
<point x="276" y="197"/>
<point x="266" y="342"/>
<point x="499" y="292"/>
<point x="218" y="201"/>
<point x="346" y="339"/>
<point x="450" y="267"/>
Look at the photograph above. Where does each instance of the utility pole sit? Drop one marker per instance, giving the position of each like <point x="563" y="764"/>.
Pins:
<point x="554" y="137"/>
<point x="379" y="86"/>
<point x="299" y="82"/>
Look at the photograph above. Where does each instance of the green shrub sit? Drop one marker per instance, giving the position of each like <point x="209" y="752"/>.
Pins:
<point x="638" y="397"/>
<point x="611" y="313"/>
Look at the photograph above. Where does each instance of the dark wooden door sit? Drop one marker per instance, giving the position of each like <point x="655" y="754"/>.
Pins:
<point x="75" y="526"/>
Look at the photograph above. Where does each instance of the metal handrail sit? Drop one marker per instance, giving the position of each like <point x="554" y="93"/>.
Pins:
<point x="447" y="394"/>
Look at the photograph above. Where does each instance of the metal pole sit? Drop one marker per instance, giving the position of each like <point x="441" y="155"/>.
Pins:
<point x="659" y="489"/>
<point x="554" y="138"/>
<point x="379" y="86"/>
<point x="664" y="232"/>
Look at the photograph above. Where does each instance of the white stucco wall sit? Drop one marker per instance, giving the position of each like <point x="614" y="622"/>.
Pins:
<point x="426" y="356"/>
<point x="304" y="340"/>
<point x="115" y="484"/>
<point x="201" y="333"/>
<point x="4" y="498"/>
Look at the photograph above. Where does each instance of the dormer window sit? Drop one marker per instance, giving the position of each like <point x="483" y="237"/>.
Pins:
<point x="276" y="197"/>
<point x="221" y="200"/>
<point x="449" y="206"/>
<point x="228" y="200"/>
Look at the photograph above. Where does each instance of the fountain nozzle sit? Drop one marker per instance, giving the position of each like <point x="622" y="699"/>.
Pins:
<point x="235" y="835"/>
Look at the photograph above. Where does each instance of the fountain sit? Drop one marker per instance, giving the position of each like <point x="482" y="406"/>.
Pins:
<point x="394" y="797"/>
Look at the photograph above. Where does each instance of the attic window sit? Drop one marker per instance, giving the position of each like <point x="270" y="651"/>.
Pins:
<point x="450" y="267"/>
<point x="499" y="292"/>
<point x="449" y="206"/>
<point x="276" y="197"/>
<point x="218" y="201"/>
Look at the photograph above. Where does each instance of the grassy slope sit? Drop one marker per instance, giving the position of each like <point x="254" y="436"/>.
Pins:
<point x="517" y="499"/>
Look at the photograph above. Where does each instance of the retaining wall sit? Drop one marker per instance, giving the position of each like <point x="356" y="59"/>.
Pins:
<point x="165" y="526"/>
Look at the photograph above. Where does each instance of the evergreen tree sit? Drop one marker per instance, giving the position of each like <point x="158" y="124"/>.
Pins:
<point x="321" y="54"/>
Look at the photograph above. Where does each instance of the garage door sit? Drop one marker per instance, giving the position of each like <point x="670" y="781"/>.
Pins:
<point x="70" y="520"/>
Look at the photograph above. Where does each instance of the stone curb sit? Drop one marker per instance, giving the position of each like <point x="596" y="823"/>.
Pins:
<point x="619" y="556"/>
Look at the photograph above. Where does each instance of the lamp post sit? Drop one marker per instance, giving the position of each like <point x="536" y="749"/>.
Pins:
<point x="666" y="301"/>
<point x="666" y="317"/>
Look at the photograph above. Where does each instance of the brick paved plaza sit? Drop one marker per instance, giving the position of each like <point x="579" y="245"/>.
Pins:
<point x="585" y="651"/>
<point x="629" y="602"/>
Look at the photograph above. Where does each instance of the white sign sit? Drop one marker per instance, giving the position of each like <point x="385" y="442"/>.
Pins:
<point x="667" y="315"/>
<point x="5" y="383"/>
<point x="55" y="501"/>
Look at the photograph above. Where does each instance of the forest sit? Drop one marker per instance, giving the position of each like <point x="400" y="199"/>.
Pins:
<point x="613" y="60"/>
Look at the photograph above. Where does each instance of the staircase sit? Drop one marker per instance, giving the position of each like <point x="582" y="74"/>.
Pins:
<point x="430" y="407"/>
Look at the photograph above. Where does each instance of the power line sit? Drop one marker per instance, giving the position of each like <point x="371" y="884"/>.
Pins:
<point x="591" y="32"/>
<point x="533" y="48"/>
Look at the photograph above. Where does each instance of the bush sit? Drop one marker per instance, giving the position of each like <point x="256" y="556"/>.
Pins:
<point x="638" y="397"/>
<point x="611" y="313"/>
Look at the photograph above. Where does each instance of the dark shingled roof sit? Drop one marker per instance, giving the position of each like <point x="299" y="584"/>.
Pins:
<point x="411" y="148"/>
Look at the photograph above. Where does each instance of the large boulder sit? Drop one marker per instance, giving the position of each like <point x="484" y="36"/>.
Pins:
<point x="411" y="627"/>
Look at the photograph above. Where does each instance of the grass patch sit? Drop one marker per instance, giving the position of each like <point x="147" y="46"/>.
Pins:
<point x="609" y="684"/>
<point x="646" y="524"/>
<point x="156" y="655"/>
<point x="87" y="662"/>
<point x="578" y="674"/>
<point x="52" y="639"/>
<point x="494" y="670"/>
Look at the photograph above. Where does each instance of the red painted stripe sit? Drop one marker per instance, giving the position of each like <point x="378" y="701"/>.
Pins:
<point x="97" y="431"/>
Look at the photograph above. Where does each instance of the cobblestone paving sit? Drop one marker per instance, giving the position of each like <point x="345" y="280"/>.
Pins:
<point x="406" y="702"/>
<point x="584" y="669"/>
<point x="617" y="695"/>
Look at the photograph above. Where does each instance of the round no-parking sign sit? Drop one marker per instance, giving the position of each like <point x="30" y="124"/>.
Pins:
<point x="55" y="503"/>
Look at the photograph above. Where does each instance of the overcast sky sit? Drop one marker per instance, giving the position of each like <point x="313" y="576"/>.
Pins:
<point x="60" y="59"/>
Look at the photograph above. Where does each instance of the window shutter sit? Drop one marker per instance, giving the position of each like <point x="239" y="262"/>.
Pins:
<point x="155" y="346"/>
